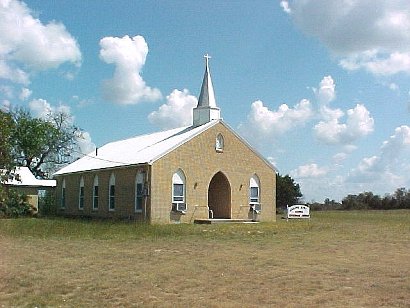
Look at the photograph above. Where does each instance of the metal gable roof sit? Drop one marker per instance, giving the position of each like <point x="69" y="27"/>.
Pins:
<point x="133" y="151"/>
<point x="144" y="149"/>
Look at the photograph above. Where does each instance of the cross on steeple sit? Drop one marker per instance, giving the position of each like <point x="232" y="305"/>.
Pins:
<point x="207" y="57"/>
<point x="206" y="110"/>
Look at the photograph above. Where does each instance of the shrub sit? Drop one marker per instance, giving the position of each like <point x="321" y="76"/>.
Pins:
<point x="47" y="205"/>
<point x="14" y="204"/>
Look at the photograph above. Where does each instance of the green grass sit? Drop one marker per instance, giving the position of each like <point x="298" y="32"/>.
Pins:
<point x="336" y="259"/>
<point x="105" y="230"/>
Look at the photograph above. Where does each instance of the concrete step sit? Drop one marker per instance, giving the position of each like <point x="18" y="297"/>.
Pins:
<point x="223" y="221"/>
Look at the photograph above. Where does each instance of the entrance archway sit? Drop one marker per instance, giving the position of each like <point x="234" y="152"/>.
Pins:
<point x="219" y="196"/>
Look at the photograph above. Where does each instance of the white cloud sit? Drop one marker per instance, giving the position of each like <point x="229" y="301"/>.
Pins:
<point x="28" y="44"/>
<point x="385" y="170"/>
<point x="262" y="122"/>
<point x="396" y="143"/>
<point x="379" y="64"/>
<point x="84" y="143"/>
<point x="7" y="91"/>
<point x="285" y="6"/>
<point x="339" y="157"/>
<point x="176" y="112"/>
<point x="326" y="92"/>
<point x="128" y="55"/>
<point x="330" y="129"/>
<point x="12" y="73"/>
<point x="272" y="160"/>
<point x="5" y="105"/>
<point x="394" y="87"/>
<point x="25" y="94"/>
<point x="359" y="123"/>
<point x="42" y="109"/>
<point x="370" y="35"/>
<point x="309" y="171"/>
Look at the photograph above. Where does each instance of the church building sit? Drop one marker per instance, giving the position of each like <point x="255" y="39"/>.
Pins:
<point x="202" y="172"/>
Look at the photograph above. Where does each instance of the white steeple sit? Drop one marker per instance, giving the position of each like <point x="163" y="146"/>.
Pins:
<point x="206" y="110"/>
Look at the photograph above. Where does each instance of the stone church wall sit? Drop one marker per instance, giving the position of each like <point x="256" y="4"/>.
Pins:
<point x="124" y="193"/>
<point x="200" y="162"/>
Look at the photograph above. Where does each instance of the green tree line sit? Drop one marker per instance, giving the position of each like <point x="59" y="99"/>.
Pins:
<point x="400" y="199"/>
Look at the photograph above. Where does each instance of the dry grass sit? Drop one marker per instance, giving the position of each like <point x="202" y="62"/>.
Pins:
<point x="337" y="259"/>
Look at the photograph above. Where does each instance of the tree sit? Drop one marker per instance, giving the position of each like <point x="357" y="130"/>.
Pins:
<point x="6" y="131"/>
<point x="287" y="191"/>
<point x="43" y="145"/>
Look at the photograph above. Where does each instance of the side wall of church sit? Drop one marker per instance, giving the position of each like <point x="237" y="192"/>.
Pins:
<point x="124" y="194"/>
<point x="200" y="161"/>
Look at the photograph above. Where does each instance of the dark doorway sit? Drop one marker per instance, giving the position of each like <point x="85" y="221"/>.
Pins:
<point x="219" y="197"/>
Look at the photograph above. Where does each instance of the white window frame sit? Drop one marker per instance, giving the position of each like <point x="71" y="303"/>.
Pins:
<point x="111" y="197"/>
<point x="178" y="178"/>
<point x="254" y="182"/>
<point x="95" y="196"/>
<point x="219" y="143"/>
<point x="139" y="194"/>
<point x="81" y="194"/>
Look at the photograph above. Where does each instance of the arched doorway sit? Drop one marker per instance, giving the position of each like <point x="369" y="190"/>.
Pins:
<point x="219" y="196"/>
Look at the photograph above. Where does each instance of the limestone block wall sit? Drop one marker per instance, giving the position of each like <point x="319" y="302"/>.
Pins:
<point x="124" y="193"/>
<point x="200" y="162"/>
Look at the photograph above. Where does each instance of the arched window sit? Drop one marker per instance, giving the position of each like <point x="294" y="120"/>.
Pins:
<point x="111" y="193"/>
<point x="63" y="195"/>
<point x="254" y="190"/>
<point x="219" y="143"/>
<point x="95" y="193"/>
<point x="81" y="194"/>
<point x="178" y="191"/>
<point x="139" y="191"/>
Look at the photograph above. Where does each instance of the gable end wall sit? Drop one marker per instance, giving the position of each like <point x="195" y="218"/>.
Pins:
<point x="200" y="162"/>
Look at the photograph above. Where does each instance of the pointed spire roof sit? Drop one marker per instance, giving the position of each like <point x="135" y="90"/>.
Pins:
<point x="207" y="96"/>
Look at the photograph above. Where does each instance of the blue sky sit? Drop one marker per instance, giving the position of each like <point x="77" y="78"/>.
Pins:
<point x="319" y="87"/>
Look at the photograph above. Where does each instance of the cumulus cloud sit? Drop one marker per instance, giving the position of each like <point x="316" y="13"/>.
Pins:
<point x="389" y="164"/>
<point x="7" y="91"/>
<point x="359" y="123"/>
<point x="378" y="64"/>
<point x="84" y="143"/>
<point x="331" y="129"/>
<point x="309" y="171"/>
<point x="326" y="92"/>
<point x="176" y="112"/>
<point x="5" y="105"/>
<point x="272" y="160"/>
<point x="370" y="35"/>
<point x="42" y="109"/>
<point x="338" y="158"/>
<point x="11" y="72"/>
<point x="263" y="122"/>
<point x="25" y="94"/>
<point x="26" y="44"/>
<point x="285" y="6"/>
<point x="128" y="55"/>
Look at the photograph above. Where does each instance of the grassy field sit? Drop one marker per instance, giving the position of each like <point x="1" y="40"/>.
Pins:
<point x="337" y="259"/>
